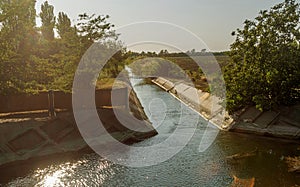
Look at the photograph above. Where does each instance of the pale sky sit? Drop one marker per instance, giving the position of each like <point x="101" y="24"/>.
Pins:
<point x="211" y="20"/>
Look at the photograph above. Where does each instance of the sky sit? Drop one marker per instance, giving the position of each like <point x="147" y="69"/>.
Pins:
<point x="210" y="21"/>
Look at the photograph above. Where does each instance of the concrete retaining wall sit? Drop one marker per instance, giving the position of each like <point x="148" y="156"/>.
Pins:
<point x="23" y="102"/>
<point x="284" y="123"/>
<point x="206" y="105"/>
<point x="40" y="101"/>
<point x="32" y="135"/>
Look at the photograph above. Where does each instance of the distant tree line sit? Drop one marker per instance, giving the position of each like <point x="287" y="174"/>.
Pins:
<point x="166" y="53"/>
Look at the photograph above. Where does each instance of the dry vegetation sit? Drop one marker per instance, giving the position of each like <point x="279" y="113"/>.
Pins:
<point x="193" y="70"/>
<point x="293" y="163"/>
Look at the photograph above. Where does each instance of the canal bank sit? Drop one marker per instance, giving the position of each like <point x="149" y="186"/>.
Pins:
<point x="283" y="123"/>
<point x="187" y="168"/>
<point x="206" y="105"/>
<point x="31" y="134"/>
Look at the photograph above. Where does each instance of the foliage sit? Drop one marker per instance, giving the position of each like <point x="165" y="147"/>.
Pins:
<point x="48" y="21"/>
<point x="265" y="67"/>
<point x="63" y="25"/>
<point x="95" y="28"/>
<point x="33" y="59"/>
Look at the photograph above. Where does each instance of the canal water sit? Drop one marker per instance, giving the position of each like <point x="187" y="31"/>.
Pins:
<point x="187" y="168"/>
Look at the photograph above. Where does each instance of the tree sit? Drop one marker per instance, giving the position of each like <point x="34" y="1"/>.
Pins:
<point x="69" y="41"/>
<point x="193" y="52"/>
<point x="18" y="22"/>
<point x="31" y="61"/>
<point x="18" y="37"/>
<point x="63" y="24"/>
<point x="163" y="53"/>
<point x="265" y="67"/>
<point x="48" y="21"/>
<point x="95" y="28"/>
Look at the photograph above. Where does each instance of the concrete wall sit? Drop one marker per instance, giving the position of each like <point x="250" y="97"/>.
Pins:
<point x="278" y="123"/>
<point x="202" y="102"/>
<point x="284" y="123"/>
<point x="31" y="135"/>
<point x="23" y="102"/>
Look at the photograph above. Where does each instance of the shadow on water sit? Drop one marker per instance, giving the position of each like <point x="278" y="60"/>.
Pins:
<point x="267" y="165"/>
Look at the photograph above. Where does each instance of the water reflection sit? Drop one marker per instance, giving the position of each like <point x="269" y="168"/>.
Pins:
<point x="87" y="171"/>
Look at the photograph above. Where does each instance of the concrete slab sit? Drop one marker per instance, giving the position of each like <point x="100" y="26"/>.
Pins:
<point x="265" y="118"/>
<point x="250" y="114"/>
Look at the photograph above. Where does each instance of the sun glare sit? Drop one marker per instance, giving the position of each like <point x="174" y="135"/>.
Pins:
<point x="52" y="180"/>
